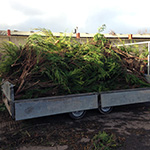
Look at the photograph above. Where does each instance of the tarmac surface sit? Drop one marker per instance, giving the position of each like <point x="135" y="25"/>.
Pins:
<point x="129" y="123"/>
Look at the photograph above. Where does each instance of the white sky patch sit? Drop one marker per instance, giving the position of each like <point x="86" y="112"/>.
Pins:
<point x="67" y="14"/>
<point x="10" y="16"/>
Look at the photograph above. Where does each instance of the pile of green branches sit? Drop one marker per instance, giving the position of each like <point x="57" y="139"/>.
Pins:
<point x="47" y="66"/>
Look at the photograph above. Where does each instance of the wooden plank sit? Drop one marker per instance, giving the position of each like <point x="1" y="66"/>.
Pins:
<point x="8" y="97"/>
<point x="8" y="91"/>
<point x="7" y="105"/>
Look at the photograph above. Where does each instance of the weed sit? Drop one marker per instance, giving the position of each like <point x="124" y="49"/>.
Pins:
<point x="104" y="141"/>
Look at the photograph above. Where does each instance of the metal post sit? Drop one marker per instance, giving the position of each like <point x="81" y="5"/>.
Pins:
<point x="148" y="59"/>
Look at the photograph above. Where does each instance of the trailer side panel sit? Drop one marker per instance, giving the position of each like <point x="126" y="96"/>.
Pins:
<point x="125" y="97"/>
<point x="8" y="97"/>
<point x="44" y="107"/>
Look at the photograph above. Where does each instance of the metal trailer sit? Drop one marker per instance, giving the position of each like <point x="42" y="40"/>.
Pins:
<point x="76" y="104"/>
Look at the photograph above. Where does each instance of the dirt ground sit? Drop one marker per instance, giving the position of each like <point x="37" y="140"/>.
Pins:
<point x="130" y="124"/>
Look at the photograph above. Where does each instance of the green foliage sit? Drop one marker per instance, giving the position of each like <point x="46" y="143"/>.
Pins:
<point x="10" y="53"/>
<point x="133" y="80"/>
<point x="136" y="50"/>
<point x="47" y="65"/>
<point x="98" y="36"/>
<point x="2" y="107"/>
<point x="104" y="141"/>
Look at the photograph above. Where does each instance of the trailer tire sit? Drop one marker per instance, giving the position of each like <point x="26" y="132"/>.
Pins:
<point x="77" y="114"/>
<point x="105" y="110"/>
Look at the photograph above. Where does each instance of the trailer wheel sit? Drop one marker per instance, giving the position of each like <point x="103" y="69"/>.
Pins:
<point x="77" y="114"/>
<point x="105" y="110"/>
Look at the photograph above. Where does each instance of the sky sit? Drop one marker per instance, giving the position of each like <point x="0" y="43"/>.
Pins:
<point x="126" y="17"/>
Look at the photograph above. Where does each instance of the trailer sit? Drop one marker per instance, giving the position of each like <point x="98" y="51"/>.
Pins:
<point x="75" y="104"/>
